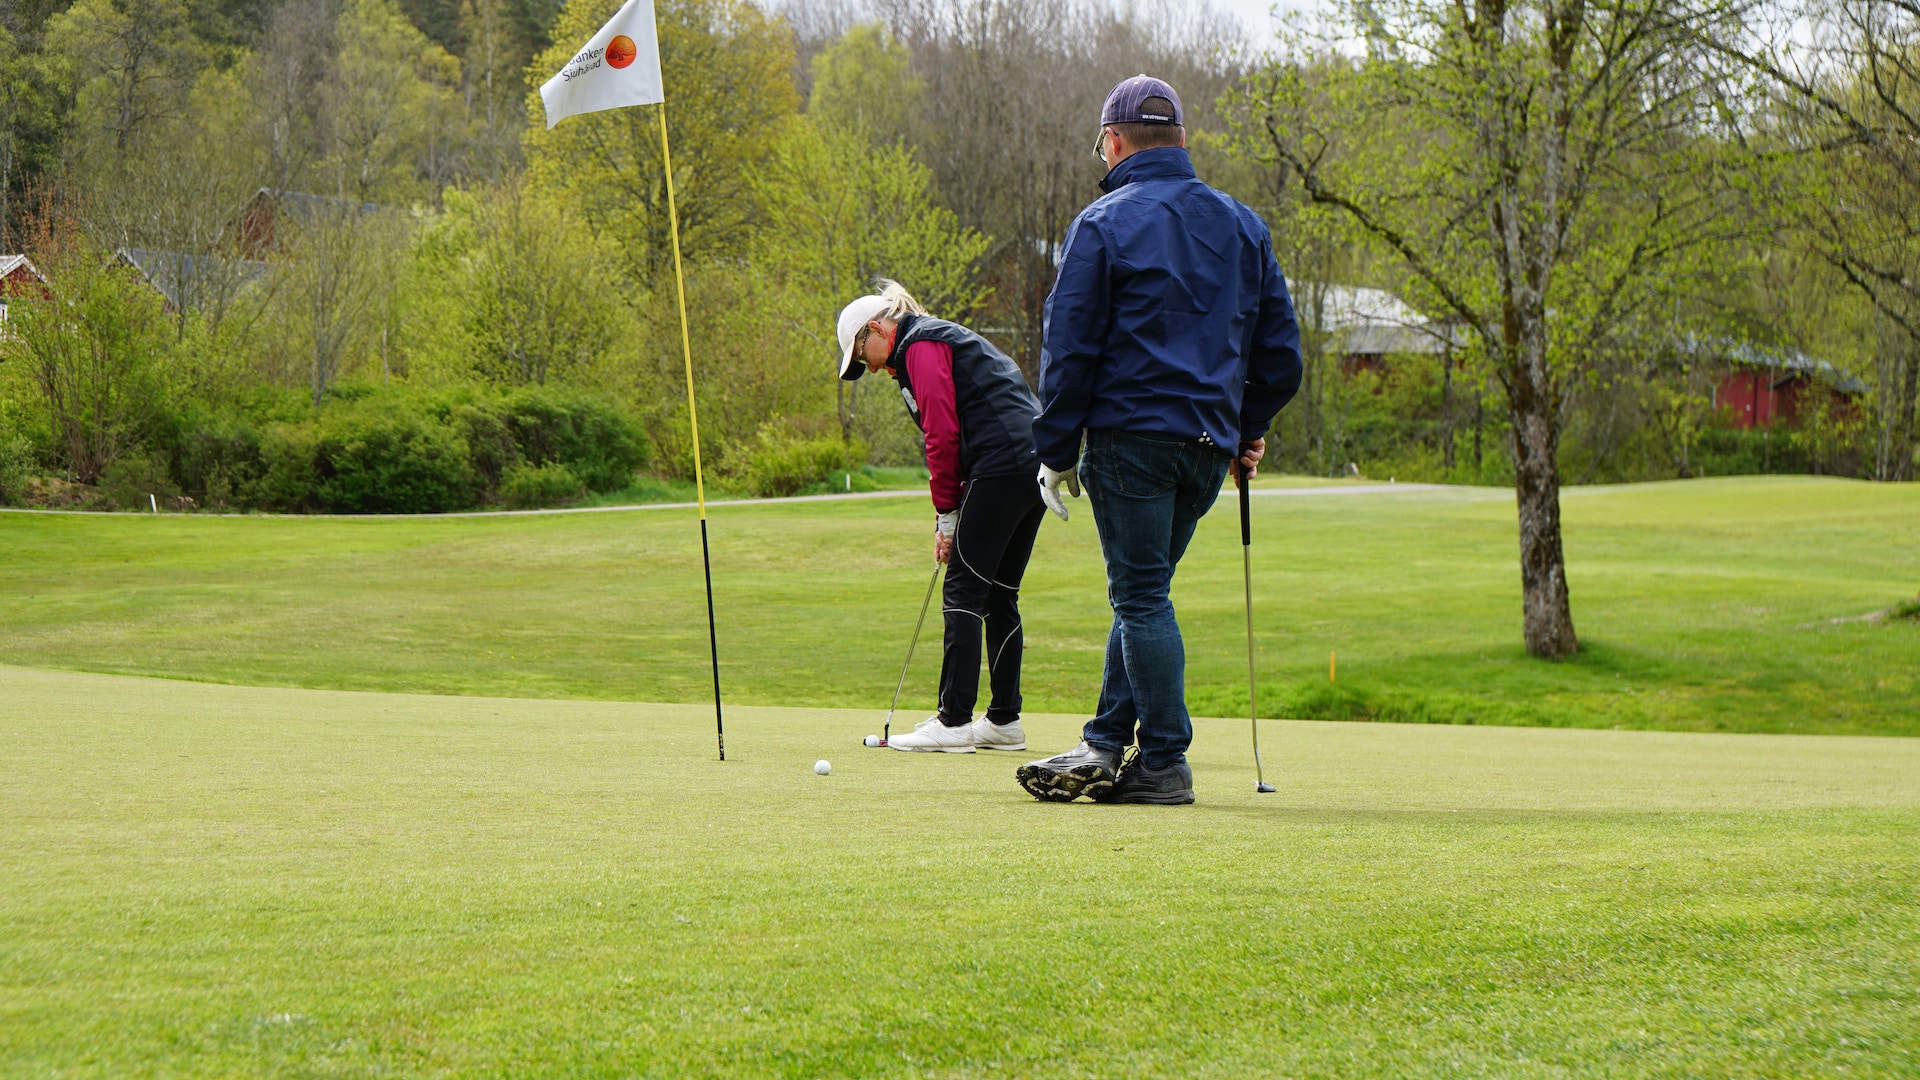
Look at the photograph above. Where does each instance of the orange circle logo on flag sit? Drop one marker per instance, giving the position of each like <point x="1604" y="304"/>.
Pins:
<point x="620" y="51"/>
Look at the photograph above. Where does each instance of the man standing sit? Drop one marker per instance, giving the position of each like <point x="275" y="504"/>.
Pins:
<point x="1170" y="344"/>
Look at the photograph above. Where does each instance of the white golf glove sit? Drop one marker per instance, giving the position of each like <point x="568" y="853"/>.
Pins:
<point x="1050" y="481"/>
<point x="946" y="523"/>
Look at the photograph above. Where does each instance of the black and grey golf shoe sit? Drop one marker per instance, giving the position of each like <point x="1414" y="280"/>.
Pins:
<point x="1084" y="770"/>
<point x="1170" y="785"/>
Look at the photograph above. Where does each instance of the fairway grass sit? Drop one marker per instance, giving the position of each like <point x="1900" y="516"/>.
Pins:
<point x="204" y="880"/>
<point x="1724" y="605"/>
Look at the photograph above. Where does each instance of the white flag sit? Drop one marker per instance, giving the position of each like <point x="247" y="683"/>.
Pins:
<point x="618" y="66"/>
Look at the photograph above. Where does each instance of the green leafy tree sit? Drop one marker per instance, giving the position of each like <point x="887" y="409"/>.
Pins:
<point x="392" y="115"/>
<point x="1540" y="171"/>
<point x="99" y="352"/>
<point x="851" y="211"/>
<point x="132" y="64"/>
<point x="543" y="300"/>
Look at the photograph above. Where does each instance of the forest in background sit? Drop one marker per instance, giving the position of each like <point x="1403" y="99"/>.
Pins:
<point x="1601" y="208"/>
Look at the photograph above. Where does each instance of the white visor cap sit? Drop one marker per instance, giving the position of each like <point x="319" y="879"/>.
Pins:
<point x="852" y="318"/>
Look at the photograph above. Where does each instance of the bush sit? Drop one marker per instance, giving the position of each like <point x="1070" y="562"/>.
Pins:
<point x="588" y="434"/>
<point x="779" y="462"/>
<point x="528" y="486"/>
<point x="377" y="449"/>
<point x="131" y="481"/>
<point x="365" y="461"/>
<point x="392" y="463"/>
<point x="16" y="466"/>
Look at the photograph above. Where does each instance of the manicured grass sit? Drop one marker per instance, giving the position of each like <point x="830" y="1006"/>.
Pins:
<point x="226" y="881"/>
<point x="1729" y="605"/>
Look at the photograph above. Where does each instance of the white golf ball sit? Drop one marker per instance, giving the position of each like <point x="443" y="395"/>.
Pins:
<point x="822" y="767"/>
<point x="873" y="740"/>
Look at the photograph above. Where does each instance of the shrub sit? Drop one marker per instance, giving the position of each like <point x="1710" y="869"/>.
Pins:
<point x="131" y="480"/>
<point x="778" y="462"/>
<point x="589" y="434"/>
<point x="16" y="466"/>
<point x="528" y="486"/>
<point x="380" y="462"/>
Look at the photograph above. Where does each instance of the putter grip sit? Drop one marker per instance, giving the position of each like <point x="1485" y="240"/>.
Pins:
<point x="1246" y="506"/>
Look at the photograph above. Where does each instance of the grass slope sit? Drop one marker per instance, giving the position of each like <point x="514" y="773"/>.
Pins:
<point x="1708" y="605"/>
<point x="223" y="881"/>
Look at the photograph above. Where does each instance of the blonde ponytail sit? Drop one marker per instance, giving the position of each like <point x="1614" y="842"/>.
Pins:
<point x="899" y="300"/>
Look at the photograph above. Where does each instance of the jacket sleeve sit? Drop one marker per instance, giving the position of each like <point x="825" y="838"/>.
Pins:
<point x="930" y="369"/>
<point x="1072" y="339"/>
<point x="1273" y="362"/>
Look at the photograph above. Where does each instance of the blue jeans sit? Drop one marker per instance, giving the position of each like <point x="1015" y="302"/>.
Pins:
<point x="1148" y="492"/>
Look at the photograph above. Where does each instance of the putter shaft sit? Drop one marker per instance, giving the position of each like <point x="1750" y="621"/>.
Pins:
<point x="886" y="732"/>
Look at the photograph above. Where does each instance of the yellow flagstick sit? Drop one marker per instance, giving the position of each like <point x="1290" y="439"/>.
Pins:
<point x="693" y="422"/>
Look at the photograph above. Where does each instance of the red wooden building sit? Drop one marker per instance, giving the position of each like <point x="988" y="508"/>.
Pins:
<point x="19" y="280"/>
<point x="1767" y="389"/>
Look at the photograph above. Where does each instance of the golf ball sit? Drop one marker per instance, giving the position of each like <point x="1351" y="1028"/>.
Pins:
<point x="873" y="740"/>
<point x="822" y="767"/>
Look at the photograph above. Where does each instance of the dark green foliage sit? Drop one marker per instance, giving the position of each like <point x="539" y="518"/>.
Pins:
<point x="130" y="481"/>
<point x="600" y="444"/>
<point x="529" y="486"/>
<point x="391" y="462"/>
<point x="376" y="449"/>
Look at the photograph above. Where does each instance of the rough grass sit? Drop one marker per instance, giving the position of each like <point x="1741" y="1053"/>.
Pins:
<point x="224" y="881"/>
<point x="1723" y="605"/>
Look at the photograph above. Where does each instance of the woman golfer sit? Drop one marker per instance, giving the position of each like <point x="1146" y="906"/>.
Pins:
<point x="977" y="414"/>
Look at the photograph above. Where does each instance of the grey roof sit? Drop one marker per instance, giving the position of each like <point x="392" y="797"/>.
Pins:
<point x="1374" y="322"/>
<point x="1746" y="354"/>
<point x="167" y="271"/>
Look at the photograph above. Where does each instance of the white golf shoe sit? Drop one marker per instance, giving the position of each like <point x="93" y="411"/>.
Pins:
<point x="988" y="735"/>
<point x="932" y="735"/>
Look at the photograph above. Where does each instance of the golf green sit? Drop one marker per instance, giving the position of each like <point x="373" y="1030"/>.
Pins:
<point x="205" y="880"/>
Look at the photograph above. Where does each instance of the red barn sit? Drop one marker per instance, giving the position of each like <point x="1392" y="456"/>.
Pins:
<point x="19" y="280"/>
<point x="1765" y="389"/>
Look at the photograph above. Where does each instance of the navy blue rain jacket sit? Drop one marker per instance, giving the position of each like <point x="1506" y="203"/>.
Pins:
<point x="1169" y="316"/>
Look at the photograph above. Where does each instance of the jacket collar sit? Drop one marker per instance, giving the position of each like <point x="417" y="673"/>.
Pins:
<point x="902" y="329"/>
<point x="1159" y="163"/>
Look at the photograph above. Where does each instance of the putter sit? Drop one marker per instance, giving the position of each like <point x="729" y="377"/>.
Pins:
<point x="1246" y="569"/>
<point x="887" y="731"/>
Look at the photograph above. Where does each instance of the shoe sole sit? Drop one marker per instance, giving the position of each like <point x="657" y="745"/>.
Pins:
<point x="1001" y="746"/>
<point x="1048" y="785"/>
<point x="1153" y="798"/>
<point x="931" y="749"/>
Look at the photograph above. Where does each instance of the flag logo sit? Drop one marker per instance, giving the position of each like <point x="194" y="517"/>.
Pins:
<point x="617" y="67"/>
<point x="621" y="51"/>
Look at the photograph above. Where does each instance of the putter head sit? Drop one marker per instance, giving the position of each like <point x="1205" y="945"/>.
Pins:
<point x="1263" y="788"/>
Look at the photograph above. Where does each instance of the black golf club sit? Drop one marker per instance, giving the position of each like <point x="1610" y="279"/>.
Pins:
<point x="1246" y="568"/>
<point x="887" y="731"/>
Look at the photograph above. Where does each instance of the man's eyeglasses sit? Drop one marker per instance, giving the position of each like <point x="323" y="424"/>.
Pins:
<point x="1100" y="145"/>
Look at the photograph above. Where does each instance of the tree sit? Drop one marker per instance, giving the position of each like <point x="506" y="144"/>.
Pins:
<point x="728" y="69"/>
<point x="132" y="64"/>
<point x="1851" y="98"/>
<point x="328" y="290"/>
<point x="544" y="304"/>
<point x="98" y="352"/>
<point x="1538" y="167"/>
<point x="392" y="118"/>
<point x="1013" y="90"/>
<point x="851" y="211"/>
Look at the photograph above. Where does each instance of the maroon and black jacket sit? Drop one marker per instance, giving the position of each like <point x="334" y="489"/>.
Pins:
<point x="969" y="399"/>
